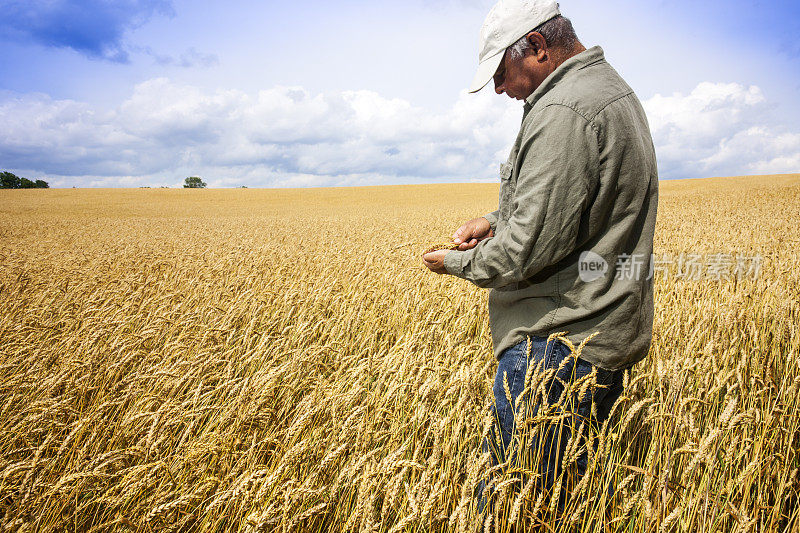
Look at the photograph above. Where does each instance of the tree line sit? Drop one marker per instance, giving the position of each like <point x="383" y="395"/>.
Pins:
<point x="12" y="181"/>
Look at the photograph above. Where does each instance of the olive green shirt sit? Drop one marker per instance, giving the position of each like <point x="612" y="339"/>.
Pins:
<point x="580" y="188"/>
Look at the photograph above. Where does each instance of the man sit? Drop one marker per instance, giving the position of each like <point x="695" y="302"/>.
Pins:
<point x="570" y="247"/>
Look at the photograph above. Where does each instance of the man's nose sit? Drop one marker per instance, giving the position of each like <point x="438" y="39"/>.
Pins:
<point x="499" y="88"/>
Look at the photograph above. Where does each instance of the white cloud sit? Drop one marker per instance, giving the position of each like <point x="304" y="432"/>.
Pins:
<point x="720" y="129"/>
<point x="92" y="27"/>
<point x="190" y="58"/>
<point x="283" y="136"/>
<point x="288" y="136"/>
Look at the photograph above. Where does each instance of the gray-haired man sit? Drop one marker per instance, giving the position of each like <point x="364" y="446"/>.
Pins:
<point x="570" y="247"/>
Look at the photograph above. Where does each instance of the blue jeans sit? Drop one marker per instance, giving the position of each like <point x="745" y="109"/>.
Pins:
<point x="549" y="440"/>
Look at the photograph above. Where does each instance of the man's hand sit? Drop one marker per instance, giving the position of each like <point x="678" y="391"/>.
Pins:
<point x="472" y="231"/>
<point x="466" y="237"/>
<point x="435" y="261"/>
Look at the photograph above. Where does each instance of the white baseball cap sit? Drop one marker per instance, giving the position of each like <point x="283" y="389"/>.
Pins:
<point x="504" y="25"/>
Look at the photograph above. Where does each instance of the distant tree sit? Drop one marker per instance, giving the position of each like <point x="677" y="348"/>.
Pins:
<point x="9" y="181"/>
<point x="194" y="182"/>
<point x="12" y="181"/>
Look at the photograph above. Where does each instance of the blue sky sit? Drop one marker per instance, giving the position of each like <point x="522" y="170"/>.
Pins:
<point x="147" y="92"/>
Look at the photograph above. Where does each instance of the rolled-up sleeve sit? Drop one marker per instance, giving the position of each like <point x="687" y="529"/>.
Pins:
<point x="492" y="218"/>
<point x="558" y="172"/>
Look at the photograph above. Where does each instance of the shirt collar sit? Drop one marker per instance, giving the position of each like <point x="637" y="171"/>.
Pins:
<point x="576" y="62"/>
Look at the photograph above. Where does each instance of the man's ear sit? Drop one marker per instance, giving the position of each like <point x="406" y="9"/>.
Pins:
<point x="538" y="44"/>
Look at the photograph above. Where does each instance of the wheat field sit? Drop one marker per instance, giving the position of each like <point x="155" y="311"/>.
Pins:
<point x="281" y="360"/>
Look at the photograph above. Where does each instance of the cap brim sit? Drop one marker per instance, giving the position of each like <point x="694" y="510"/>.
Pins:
<point x="486" y="71"/>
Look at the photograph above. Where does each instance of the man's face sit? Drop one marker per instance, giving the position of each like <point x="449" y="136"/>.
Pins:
<point x="519" y="77"/>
